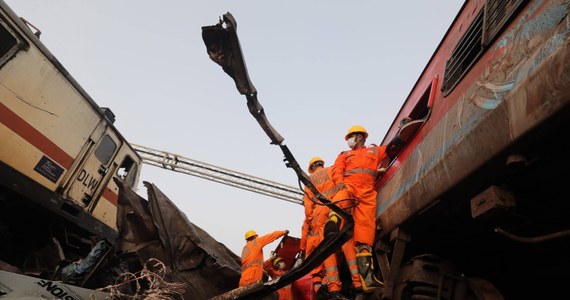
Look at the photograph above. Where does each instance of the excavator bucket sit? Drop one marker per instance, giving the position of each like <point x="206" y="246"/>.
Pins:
<point x="222" y="45"/>
<point x="224" y="49"/>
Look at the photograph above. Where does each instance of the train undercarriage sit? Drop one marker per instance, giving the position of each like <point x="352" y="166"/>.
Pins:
<point x="502" y="233"/>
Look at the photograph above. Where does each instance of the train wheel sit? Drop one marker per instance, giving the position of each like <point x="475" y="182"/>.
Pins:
<point x="422" y="292"/>
<point x="471" y="289"/>
<point x="481" y="289"/>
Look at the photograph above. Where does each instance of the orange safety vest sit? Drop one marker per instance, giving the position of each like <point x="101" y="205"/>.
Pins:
<point x="317" y="215"/>
<point x="284" y="293"/>
<point x="315" y="218"/>
<point x="252" y="257"/>
<point x="359" y="167"/>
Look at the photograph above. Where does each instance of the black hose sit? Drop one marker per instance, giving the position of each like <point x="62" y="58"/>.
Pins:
<point x="536" y="239"/>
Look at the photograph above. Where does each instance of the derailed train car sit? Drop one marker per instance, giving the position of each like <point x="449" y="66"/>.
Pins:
<point x="474" y="204"/>
<point x="59" y="151"/>
<point x="69" y="214"/>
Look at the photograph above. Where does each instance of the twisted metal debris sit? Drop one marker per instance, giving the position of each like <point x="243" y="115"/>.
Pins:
<point x="149" y="283"/>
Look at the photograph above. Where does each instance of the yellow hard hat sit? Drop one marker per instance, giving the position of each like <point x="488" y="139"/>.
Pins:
<point x="250" y="233"/>
<point x="314" y="160"/>
<point x="356" y="128"/>
<point x="277" y="260"/>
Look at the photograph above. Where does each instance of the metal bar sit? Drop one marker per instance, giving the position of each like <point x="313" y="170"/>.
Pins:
<point x="181" y="164"/>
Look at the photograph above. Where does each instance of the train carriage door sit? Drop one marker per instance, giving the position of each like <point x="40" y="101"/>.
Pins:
<point x="124" y="168"/>
<point x="91" y="177"/>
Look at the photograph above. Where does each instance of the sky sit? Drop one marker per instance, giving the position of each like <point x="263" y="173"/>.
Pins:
<point x="319" y="68"/>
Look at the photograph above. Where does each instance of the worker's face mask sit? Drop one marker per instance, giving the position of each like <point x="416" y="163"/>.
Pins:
<point x="351" y="141"/>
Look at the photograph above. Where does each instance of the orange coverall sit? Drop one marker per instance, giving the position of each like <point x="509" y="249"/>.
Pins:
<point x="252" y="257"/>
<point x="313" y="229"/>
<point x="285" y="292"/>
<point x="357" y="169"/>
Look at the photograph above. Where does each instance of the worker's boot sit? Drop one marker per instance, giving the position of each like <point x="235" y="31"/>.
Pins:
<point x="332" y="226"/>
<point x="366" y="270"/>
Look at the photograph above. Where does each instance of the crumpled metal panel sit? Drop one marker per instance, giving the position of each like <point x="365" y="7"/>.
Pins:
<point x="158" y="229"/>
<point x="224" y="49"/>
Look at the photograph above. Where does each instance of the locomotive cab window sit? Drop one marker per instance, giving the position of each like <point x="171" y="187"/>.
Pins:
<point x="9" y="44"/>
<point x="126" y="172"/>
<point x="105" y="150"/>
<point x="486" y="27"/>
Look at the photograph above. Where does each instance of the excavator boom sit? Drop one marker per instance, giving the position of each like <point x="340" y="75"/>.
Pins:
<point x="223" y="47"/>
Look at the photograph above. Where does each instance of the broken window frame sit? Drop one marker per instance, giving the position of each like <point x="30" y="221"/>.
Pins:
<point x="10" y="43"/>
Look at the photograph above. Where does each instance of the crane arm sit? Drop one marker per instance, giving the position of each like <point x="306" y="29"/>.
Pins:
<point x="181" y="164"/>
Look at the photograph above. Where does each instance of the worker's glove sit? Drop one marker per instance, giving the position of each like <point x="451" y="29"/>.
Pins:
<point x="299" y="259"/>
<point x="332" y="226"/>
<point x="298" y="262"/>
<point x="273" y="255"/>
<point x="333" y="216"/>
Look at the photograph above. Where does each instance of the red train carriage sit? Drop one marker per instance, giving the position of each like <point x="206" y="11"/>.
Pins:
<point x="476" y="194"/>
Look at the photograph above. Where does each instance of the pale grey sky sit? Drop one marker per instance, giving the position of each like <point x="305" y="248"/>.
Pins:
<point x="319" y="68"/>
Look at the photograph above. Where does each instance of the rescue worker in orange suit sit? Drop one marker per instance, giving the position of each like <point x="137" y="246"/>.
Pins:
<point x="252" y="255"/>
<point x="357" y="169"/>
<point x="275" y="267"/>
<point x="316" y="215"/>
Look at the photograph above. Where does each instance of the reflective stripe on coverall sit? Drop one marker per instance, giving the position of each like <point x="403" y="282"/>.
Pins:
<point x="315" y="218"/>
<point x="252" y="257"/>
<point x="285" y="292"/>
<point x="357" y="169"/>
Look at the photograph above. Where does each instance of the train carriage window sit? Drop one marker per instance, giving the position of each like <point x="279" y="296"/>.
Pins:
<point x="105" y="150"/>
<point x="422" y="108"/>
<point x="486" y="26"/>
<point x="497" y="14"/>
<point x="411" y="124"/>
<point x="464" y="55"/>
<point x="9" y="43"/>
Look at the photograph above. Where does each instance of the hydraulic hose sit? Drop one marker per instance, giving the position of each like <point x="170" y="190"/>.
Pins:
<point x="530" y="240"/>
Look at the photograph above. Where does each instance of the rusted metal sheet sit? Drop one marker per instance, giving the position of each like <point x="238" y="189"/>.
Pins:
<point x="158" y="229"/>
